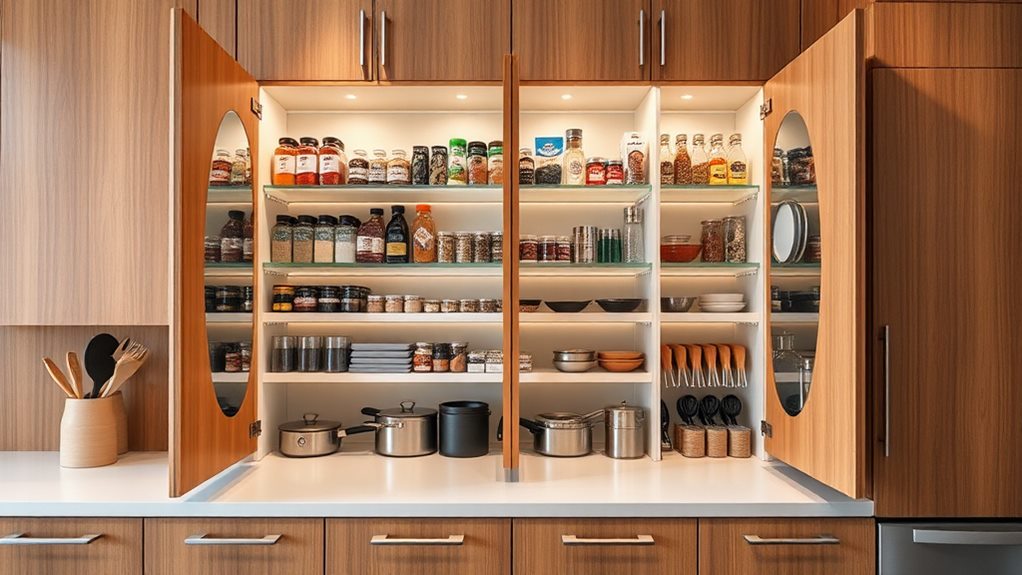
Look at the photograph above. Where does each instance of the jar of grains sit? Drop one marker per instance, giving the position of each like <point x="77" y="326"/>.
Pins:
<point x="305" y="299"/>
<point x="734" y="239"/>
<point x="375" y="304"/>
<point x="468" y="306"/>
<point x="713" y="240"/>
<point x="399" y="170"/>
<point x="459" y="356"/>
<point x="303" y="235"/>
<point x="563" y="249"/>
<point x="351" y="299"/>
<point x="358" y="168"/>
<point x="438" y="166"/>
<point x="283" y="298"/>
<point x="495" y="162"/>
<point x="211" y="249"/>
<point x="394" y="303"/>
<point x="488" y="306"/>
<point x="478" y="171"/>
<point x="323" y="247"/>
<point x="422" y="359"/>
<point x="450" y="306"/>
<point x="481" y="247"/>
<point x="463" y="248"/>
<point x="413" y="304"/>
<point x="496" y="246"/>
<point x="329" y="300"/>
<point x="528" y="249"/>
<point x="232" y="237"/>
<point x="431" y="306"/>
<point x="378" y="167"/>
<point x="526" y="167"/>
<point x="220" y="170"/>
<point x="420" y="165"/>
<point x="345" y="236"/>
<point x="441" y="357"/>
<point x="547" y="249"/>
<point x="445" y="244"/>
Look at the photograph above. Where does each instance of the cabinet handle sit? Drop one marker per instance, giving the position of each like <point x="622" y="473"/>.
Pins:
<point x="203" y="539"/>
<point x="951" y="537"/>
<point x="387" y="540"/>
<point x="642" y="37"/>
<point x="383" y="38"/>
<point x="663" y="37"/>
<point x="637" y="540"/>
<point x="887" y="390"/>
<point x="362" y="38"/>
<point x="820" y="540"/>
<point x="21" y="539"/>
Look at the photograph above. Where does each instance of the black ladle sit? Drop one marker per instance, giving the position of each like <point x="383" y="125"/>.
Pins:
<point x="688" y="407"/>
<point x="730" y="408"/>
<point x="99" y="360"/>
<point x="665" y="425"/>
<point x="708" y="408"/>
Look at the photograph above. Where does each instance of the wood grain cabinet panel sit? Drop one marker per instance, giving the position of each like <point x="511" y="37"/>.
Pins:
<point x="441" y="40"/>
<point x="306" y="40"/>
<point x="604" y="546"/>
<point x="418" y="546"/>
<point x="228" y="546"/>
<point x="787" y="546"/>
<point x="947" y="264"/>
<point x="219" y="18"/>
<point x="118" y="549"/>
<point x="582" y="40"/>
<point x="723" y="40"/>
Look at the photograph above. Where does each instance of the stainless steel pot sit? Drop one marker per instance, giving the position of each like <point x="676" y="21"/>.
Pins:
<point x="405" y="431"/>
<point x="625" y="431"/>
<point x="561" y="433"/>
<point x="312" y="437"/>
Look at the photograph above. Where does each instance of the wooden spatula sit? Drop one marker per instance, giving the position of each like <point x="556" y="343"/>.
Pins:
<point x="74" y="368"/>
<point x="58" y="376"/>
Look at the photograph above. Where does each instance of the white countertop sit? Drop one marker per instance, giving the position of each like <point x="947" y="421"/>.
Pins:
<point x="354" y="484"/>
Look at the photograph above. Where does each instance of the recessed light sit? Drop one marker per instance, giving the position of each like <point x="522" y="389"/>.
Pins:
<point x="566" y="96"/>
<point x="687" y="96"/>
<point x="461" y="96"/>
<point x="351" y="97"/>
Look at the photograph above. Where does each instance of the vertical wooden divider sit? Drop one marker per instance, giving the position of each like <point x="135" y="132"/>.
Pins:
<point x="511" y="344"/>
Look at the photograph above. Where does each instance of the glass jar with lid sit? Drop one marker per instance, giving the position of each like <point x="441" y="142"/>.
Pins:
<point x="420" y="165"/>
<point x="345" y="236"/>
<point x="422" y="359"/>
<point x="574" y="158"/>
<point x="700" y="161"/>
<point x="399" y="169"/>
<point x="333" y="163"/>
<point x="478" y="171"/>
<point x="307" y="162"/>
<point x="528" y="249"/>
<point x="370" y="242"/>
<point x="737" y="163"/>
<point x="232" y="237"/>
<point x="358" y="168"/>
<point x="441" y="357"/>
<point x="323" y="247"/>
<point x="713" y="241"/>
<point x="248" y="240"/>
<point x="220" y="169"/>
<point x="304" y="234"/>
<point x="282" y="172"/>
<point x="378" y="168"/>
<point x="446" y="247"/>
<point x="495" y="162"/>
<point x="547" y="249"/>
<point x="464" y="252"/>
<point x="438" y="166"/>
<point x="280" y="239"/>
<point x="734" y="239"/>
<point x="457" y="169"/>
<point x="526" y="167"/>
<point x="424" y="248"/>
<point x="718" y="160"/>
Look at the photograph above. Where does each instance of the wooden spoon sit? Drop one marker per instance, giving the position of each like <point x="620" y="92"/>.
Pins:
<point x="666" y="368"/>
<point x="58" y="377"/>
<point x="681" y="360"/>
<point x="74" y="367"/>
<point x="739" y="352"/>
<point x="710" y="353"/>
<point x="727" y="376"/>
<point x="695" y="364"/>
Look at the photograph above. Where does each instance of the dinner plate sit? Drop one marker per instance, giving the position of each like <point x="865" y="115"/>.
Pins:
<point x="804" y="236"/>
<point x="786" y="235"/>
<point x="723" y="307"/>
<point x="722" y="297"/>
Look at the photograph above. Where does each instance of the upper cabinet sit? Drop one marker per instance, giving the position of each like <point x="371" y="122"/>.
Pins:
<point x="441" y="40"/>
<point x="582" y="40"/>
<point x="723" y="40"/>
<point x="219" y="18"/>
<point x="306" y="40"/>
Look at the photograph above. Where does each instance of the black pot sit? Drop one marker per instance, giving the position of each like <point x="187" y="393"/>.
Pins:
<point x="464" y="428"/>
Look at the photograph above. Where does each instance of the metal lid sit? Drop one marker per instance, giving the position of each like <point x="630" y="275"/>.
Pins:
<point x="567" y="419"/>
<point x="624" y="416"/>
<point x="284" y="342"/>
<point x="408" y="409"/>
<point x="310" y="423"/>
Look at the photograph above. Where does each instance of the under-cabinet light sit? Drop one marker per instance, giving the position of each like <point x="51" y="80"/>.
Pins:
<point x="687" y="96"/>
<point x="461" y="96"/>
<point x="566" y="96"/>
<point x="351" y="97"/>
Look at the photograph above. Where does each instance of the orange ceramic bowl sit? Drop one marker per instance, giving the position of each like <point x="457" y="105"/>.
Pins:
<point x="620" y="355"/>
<point x="621" y="365"/>
<point x="679" y="253"/>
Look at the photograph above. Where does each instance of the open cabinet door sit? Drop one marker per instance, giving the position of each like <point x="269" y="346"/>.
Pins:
<point x="209" y="91"/>
<point x="823" y="92"/>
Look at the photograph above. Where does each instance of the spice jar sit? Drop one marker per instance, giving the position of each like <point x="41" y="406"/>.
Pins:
<point x="345" y="237"/>
<point x="734" y="239"/>
<point x="596" y="171"/>
<point x="329" y="300"/>
<point x="463" y="248"/>
<point x="495" y="162"/>
<point x="304" y="234"/>
<point x="476" y="361"/>
<point x="352" y="299"/>
<point x="232" y="237"/>
<point x="457" y="174"/>
<point x="284" y="355"/>
<point x="445" y="247"/>
<point x="422" y="358"/>
<point x="441" y="357"/>
<point x="488" y="306"/>
<point x="481" y="247"/>
<point x="713" y="240"/>
<point x="399" y="170"/>
<point x="526" y="167"/>
<point x="245" y="351"/>
<point x="615" y="175"/>
<point x="211" y="249"/>
<point x="305" y="299"/>
<point x="369" y="244"/>
<point x="528" y="249"/>
<point x="682" y="161"/>
<point x="459" y="357"/>
<point x="420" y="165"/>
<point x="547" y="249"/>
<point x="333" y="164"/>
<point x="248" y="240"/>
<point x="563" y="249"/>
<point x="280" y="239"/>
<point x="283" y="298"/>
<point x="666" y="161"/>
<point x="247" y="298"/>
<point x="378" y="167"/>
<point x="375" y="304"/>
<point x="438" y="166"/>
<point x="413" y="304"/>
<point x="323" y="248"/>
<point x="450" y="306"/>
<point x="358" y="168"/>
<point x="241" y="168"/>
<point x="394" y="303"/>
<point x="220" y="168"/>
<point x="478" y="173"/>
<point x="496" y="246"/>
<point x="574" y="158"/>
<point x="468" y="306"/>
<point x="307" y="162"/>
<point x="431" y="306"/>
<point x="309" y="353"/>
<point x="424" y="248"/>
<point x="282" y="172"/>
<point x="228" y="299"/>
<point x="232" y="358"/>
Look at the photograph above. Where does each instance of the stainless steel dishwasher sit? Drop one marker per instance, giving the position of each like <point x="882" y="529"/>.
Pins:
<point x="950" y="548"/>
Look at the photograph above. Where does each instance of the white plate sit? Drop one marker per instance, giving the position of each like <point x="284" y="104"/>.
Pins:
<point x="722" y="297"/>
<point x="723" y="307"/>
<point x="804" y="235"/>
<point x="785" y="233"/>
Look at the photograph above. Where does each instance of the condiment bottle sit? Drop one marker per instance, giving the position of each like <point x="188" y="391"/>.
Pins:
<point x="423" y="236"/>
<point x="399" y="170"/>
<point x="682" y="161"/>
<point x="737" y="164"/>
<point x="478" y="173"/>
<point x="344" y="239"/>
<point x="307" y="163"/>
<point x="378" y="167"/>
<point x="666" y="161"/>
<point x="700" y="161"/>
<point x="282" y="172"/>
<point x="397" y="236"/>
<point x="456" y="169"/>
<point x="369" y="245"/>
<point x="333" y="165"/>
<point x="574" y="159"/>
<point x="358" y="168"/>
<point x="526" y="167"/>
<point x="718" y="160"/>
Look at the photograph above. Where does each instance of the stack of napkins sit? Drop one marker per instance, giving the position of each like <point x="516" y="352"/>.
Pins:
<point x="381" y="357"/>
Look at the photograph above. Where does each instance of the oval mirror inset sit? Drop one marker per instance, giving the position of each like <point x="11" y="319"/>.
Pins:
<point x="795" y="272"/>
<point x="229" y="253"/>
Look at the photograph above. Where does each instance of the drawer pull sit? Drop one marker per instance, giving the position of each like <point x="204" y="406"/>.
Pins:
<point x="637" y="540"/>
<point x="388" y="540"/>
<point x="952" y="537"/>
<point x="203" y="539"/>
<point x="820" y="540"/>
<point x="20" y="539"/>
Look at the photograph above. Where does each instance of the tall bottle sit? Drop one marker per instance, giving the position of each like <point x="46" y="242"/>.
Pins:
<point x="369" y="244"/>
<point x="700" y="161"/>
<point x="718" y="160"/>
<point x="633" y="250"/>
<point x="574" y="159"/>
<point x="737" y="164"/>
<point x="423" y="235"/>
<point x="682" y="161"/>
<point x="667" y="176"/>
<point x="397" y="236"/>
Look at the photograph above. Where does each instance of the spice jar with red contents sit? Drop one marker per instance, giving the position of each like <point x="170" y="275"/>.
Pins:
<point x="333" y="163"/>
<point x="528" y="249"/>
<point x="307" y="162"/>
<point x="220" y="170"/>
<point x="596" y="171"/>
<point x="282" y="172"/>
<point x="615" y="173"/>
<point x="547" y="249"/>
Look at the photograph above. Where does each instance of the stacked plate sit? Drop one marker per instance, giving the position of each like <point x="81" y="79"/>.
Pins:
<point x="621" y="361"/>
<point x="381" y="357"/>
<point x="791" y="232"/>
<point x="722" y="302"/>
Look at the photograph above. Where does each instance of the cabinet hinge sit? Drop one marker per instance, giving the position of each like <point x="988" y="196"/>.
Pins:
<point x="766" y="429"/>
<point x="257" y="108"/>
<point x="766" y="108"/>
<point x="255" y="429"/>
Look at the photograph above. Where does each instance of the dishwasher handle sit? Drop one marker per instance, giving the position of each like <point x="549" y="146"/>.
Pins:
<point x="956" y="537"/>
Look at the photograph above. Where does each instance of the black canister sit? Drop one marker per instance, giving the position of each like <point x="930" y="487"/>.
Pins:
<point x="464" y="429"/>
<point x="217" y="357"/>
<point x="210" y="299"/>
<point x="420" y="165"/>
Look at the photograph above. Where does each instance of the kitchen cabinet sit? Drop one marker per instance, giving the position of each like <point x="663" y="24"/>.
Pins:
<point x="70" y="546"/>
<point x="723" y="40"/>
<point x="441" y="40"/>
<point x="235" y="545"/>
<point x="306" y="40"/>
<point x="219" y="18"/>
<point x="819" y="16"/>
<point x="945" y="278"/>
<point x="604" y="546"/>
<point x="786" y="546"/>
<point x="418" y="547"/>
<point x="582" y="40"/>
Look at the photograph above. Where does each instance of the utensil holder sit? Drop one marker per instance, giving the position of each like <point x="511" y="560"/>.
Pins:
<point x="88" y="433"/>
<point x="690" y="440"/>
<point x="739" y="441"/>
<point x="121" y="419"/>
<point x="716" y="441"/>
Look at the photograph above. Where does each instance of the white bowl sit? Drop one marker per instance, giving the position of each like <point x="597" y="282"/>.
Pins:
<point x="723" y="308"/>
<point x="722" y="298"/>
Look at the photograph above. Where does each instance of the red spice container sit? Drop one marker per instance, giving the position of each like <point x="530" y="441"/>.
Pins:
<point x="282" y="172"/>
<point x="307" y="163"/>
<point x="333" y="164"/>
<point x="596" y="171"/>
<point x="615" y="173"/>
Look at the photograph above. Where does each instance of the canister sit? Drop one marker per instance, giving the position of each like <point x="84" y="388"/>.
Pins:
<point x="625" y="431"/>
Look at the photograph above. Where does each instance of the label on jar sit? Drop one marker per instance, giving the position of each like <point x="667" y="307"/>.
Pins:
<point x="329" y="164"/>
<point x="307" y="163"/>
<point x="575" y="172"/>
<point x="397" y="174"/>
<point x="456" y="172"/>
<point x="423" y="239"/>
<point x="718" y="173"/>
<point x="378" y="172"/>
<point x="397" y="249"/>
<point x="369" y="244"/>
<point x="283" y="164"/>
<point x="358" y="172"/>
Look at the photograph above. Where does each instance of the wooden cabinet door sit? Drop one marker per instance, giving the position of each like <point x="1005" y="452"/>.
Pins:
<point x="828" y="439"/>
<point x="946" y="280"/>
<point x="819" y="16"/>
<point x="70" y="546"/>
<point x="604" y="546"/>
<point x="723" y="40"/>
<point x="217" y="546"/>
<point x="418" y="546"/>
<point x="209" y="83"/>
<point x="582" y="40"/>
<point x="441" y="40"/>
<point x="787" y="546"/>
<point x="306" y="40"/>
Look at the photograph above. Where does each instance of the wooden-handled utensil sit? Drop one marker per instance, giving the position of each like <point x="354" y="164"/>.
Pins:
<point x="727" y="377"/>
<point x="74" y="368"/>
<point x="695" y="364"/>
<point x="58" y="377"/>
<point x="710" y="353"/>
<point x="127" y="365"/>
<point x="666" y="369"/>
<point x="681" y="360"/>
<point x="741" y="379"/>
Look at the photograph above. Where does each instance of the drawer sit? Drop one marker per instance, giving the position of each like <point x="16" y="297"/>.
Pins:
<point x="418" y="546"/>
<point x="788" y="546"/>
<point x="67" y="546"/>
<point x="218" y="546"/>
<point x="604" y="546"/>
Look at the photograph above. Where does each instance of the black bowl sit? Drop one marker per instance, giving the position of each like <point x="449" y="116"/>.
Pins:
<point x="619" y="305"/>
<point x="568" y="306"/>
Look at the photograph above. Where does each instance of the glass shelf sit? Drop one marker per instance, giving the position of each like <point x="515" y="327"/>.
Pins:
<point x="570" y="194"/>
<point x="232" y="195"/>
<point x="567" y="269"/>
<point x="707" y="194"/>
<point x="220" y="269"/>
<point x="375" y="195"/>
<point x="379" y="318"/>
<point x="698" y="269"/>
<point x="794" y="270"/>
<point x="802" y="194"/>
<point x="792" y="318"/>
<point x="490" y="269"/>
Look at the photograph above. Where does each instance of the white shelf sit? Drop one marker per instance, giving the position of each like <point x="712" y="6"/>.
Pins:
<point x="233" y="377"/>
<point x="794" y="318"/>
<point x="732" y="195"/>
<point x="465" y="378"/>
<point x="702" y="269"/>
<point x="596" y="375"/>
<point x="377" y="195"/>
<point x="376" y="318"/>
<point x="706" y="317"/>
<point x="383" y="270"/>
<point x="564" y="194"/>
<point x="584" y="317"/>
<point x="229" y="195"/>
<point x="795" y="270"/>
<point x="227" y="318"/>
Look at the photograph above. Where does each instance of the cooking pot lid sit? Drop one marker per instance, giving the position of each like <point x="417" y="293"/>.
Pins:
<point x="309" y="423"/>
<point x="408" y="409"/>
<point x="567" y="419"/>
<point x="624" y="416"/>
